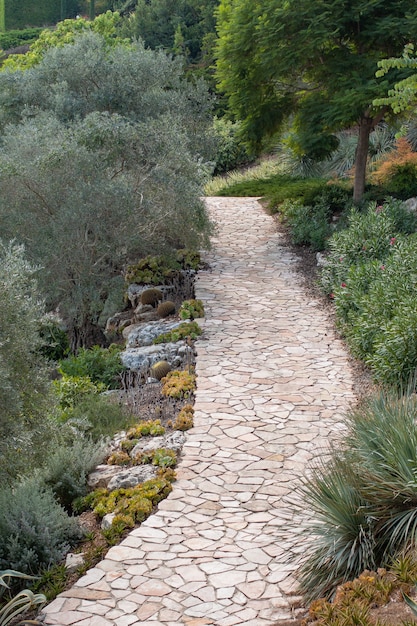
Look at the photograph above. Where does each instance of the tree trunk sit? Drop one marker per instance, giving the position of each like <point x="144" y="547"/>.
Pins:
<point x="86" y="335"/>
<point x="365" y="126"/>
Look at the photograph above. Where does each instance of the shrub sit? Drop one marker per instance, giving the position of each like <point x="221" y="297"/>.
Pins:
<point x="71" y="390"/>
<point x="231" y="152"/>
<point x="95" y="416"/>
<point x="393" y="359"/>
<point x="101" y="365"/>
<point x="375" y="305"/>
<point x="24" y="384"/>
<point x="16" y="38"/>
<point x="369" y="235"/>
<point x="35" y="531"/>
<point x="364" y="499"/>
<point x="67" y="469"/>
<point x="308" y="225"/>
<point x="55" y="344"/>
<point x="397" y="170"/>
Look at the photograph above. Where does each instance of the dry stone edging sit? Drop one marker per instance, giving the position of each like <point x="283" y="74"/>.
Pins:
<point x="273" y="383"/>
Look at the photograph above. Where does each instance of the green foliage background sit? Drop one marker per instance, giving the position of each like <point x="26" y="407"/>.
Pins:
<point x="16" y="14"/>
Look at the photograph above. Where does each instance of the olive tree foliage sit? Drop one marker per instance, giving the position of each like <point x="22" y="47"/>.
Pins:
<point x="23" y="381"/>
<point x="66" y="32"/>
<point x="102" y="161"/>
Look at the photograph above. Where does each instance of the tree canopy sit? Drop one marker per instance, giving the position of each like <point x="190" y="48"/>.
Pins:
<point x="177" y="26"/>
<point x="102" y="161"/>
<point x="313" y="62"/>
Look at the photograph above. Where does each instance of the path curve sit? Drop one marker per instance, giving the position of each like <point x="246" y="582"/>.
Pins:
<point x="273" y="383"/>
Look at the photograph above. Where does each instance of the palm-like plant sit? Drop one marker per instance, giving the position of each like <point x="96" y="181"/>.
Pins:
<point x="341" y="533"/>
<point x="23" y="601"/>
<point x="363" y="500"/>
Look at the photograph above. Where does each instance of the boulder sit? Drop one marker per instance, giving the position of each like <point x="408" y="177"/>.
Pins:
<point x="107" y="521"/>
<point x="139" y="359"/>
<point x="73" y="561"/>
<point x="117" y="322"/>
<point x="132" y="476"/>
<point x="139" y="335"/>
<point x="102" y="475"/>
<point x="173" y="441"/>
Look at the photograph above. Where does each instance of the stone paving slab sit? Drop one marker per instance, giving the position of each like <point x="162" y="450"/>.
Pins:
<point x="273" y="384"/>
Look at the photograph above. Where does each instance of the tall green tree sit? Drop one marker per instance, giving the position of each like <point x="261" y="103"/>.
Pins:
<point x="162" y="23"/>
<point x="313" y="62"/>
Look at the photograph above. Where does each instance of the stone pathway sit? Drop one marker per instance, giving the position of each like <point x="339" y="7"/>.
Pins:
<point x="273" y="382"/>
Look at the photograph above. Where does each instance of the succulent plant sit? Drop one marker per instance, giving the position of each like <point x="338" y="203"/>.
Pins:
<point x="166" y="308"/>
<point x="190" y="309"/>
<point x="151" y="296"/>
<point x="160" y="369"/>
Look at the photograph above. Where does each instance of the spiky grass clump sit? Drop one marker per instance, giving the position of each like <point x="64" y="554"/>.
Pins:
<point x="151" y="296"/>
<point x="166" y="308"/>
<point x="364" y="498"/>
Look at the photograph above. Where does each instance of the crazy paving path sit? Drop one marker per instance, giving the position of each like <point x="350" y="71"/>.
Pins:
<point x="273" y="382"/>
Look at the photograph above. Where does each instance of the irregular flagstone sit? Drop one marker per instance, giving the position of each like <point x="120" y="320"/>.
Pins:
<point x="273" y="383"/>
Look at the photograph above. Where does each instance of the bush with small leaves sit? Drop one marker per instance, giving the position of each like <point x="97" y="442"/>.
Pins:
<point x="70" y="390"/>
<point x="101" y="365"/>
<point x="67" y="469"/>
<point x="308" y="225"/>
<point x="35" y="531"/>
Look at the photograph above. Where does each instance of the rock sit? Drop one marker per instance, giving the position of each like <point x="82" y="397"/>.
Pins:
<point x="102" y="475"/>
<point x="139" y="335"/>
<point x="132" y="476"/>
<point x="321" y="259"/>
<point x="174" y="441"/>
<point x="411" y="205"/>
<point x="144" y="313"/>
<point x="118" y="321"/>
<point x="107" y="521"/>
<point x="139" y="359"/>
<point x="146" y="316"/>
<point x="74" y="561"/>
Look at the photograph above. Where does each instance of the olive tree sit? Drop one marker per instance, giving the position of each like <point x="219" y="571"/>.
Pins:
<point x="101" y="162"/>
<point x="23" y="380"/>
